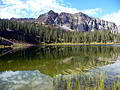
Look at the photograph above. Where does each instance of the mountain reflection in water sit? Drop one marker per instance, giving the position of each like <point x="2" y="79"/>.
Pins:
<point x="60" y="68"/>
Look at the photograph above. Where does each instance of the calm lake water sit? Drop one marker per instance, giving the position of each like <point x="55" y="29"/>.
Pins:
<point x="60" y="68"/>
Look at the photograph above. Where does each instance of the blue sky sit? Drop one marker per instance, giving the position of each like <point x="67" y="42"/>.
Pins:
<point x="104" y="9"/>
<point x="85" y="4"/>
<point x="108" y="6"/>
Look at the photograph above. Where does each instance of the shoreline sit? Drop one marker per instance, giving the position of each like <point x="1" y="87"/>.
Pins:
<point x="62" y="44"/>
<point x="21" y="45"/>
<point x="17" y="45"/>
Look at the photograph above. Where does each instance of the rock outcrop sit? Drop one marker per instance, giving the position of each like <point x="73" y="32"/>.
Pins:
<point x="78" y="21"/>
<point x="119" y="28"/>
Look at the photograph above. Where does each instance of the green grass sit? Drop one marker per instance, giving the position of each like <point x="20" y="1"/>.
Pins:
<point x="85" y="82"/>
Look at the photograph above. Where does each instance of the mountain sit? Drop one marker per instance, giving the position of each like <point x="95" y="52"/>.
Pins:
<point x="52" y="28"/>
<point x="78" y="21"/>
<point x="24" y="19"/>
<point x="119" y="28"/>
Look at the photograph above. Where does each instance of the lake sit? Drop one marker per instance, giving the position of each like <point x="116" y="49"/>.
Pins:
<point x="60" y="68"/>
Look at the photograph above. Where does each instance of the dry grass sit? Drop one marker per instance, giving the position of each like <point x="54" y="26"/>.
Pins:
<point x="51" y="44"/>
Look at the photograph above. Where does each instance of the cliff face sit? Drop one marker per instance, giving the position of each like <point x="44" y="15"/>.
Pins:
<point x="78" y="21"/>
<point x="119" y="28"/>
<point x="48" y="17"/>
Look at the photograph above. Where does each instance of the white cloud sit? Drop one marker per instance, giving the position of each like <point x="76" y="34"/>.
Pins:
<point x="8" y="15"/>
<point x="93" y="11"/>
<point x="11" y="2"/>
<point x="114" y="17"/>
<point x="33" y="8"/>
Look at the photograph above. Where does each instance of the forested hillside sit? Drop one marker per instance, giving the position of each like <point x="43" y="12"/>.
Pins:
<point x="36" y="33"/>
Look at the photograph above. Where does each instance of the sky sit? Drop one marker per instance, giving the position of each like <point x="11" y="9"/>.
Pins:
<point x="104" y="9"/>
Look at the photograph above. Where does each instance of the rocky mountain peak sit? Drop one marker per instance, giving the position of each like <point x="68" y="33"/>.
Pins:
<point x="51" y="12"/>
<point x="81" y="14"/>
<point x="78" y="21"/>
<point x="48" y="17"/>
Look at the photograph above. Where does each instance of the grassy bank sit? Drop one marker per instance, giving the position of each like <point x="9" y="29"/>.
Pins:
<point x="21" y="45"/>
<point x="3" y="46"/>
<point x="51" y="44"/>
<point x="16" y="45"/>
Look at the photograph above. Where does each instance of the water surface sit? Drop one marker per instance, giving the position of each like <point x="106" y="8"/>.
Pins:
<point x="60" y="68"/>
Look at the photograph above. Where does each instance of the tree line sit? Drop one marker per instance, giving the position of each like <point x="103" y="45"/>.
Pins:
<point x="35" y="32"/>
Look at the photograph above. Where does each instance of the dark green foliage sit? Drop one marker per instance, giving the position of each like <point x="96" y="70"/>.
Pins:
<point x="33" y="32"/>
